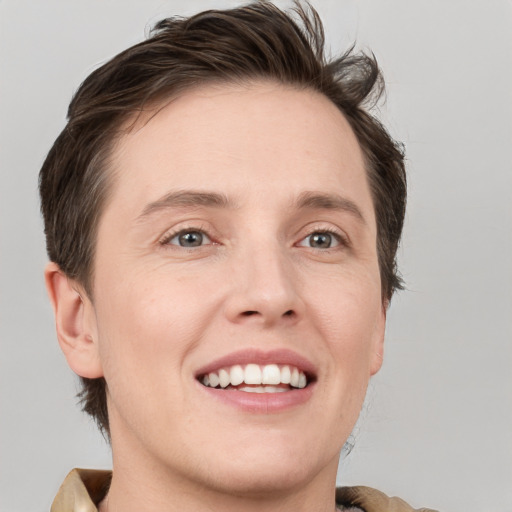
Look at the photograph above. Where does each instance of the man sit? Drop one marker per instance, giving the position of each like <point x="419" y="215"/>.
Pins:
<point x="222" y="218"/>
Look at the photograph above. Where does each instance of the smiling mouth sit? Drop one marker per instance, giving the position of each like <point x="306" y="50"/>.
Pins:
<point x="255" y="378"/>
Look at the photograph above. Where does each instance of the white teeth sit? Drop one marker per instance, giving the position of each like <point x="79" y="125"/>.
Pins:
<point x="294" y="379"/>
<point x="274" y="389"/>
<point x="252" y="389"/>
<point x="286" y="375"/>
<point x="262" y="389"/>
<point x="224" y="378"/>
<point x="271" y="374"/>
<point x="237" y="375"/>
<point x="258" y="379"/>
<point x="252" y="374"/>
<point x="214" y="379"/>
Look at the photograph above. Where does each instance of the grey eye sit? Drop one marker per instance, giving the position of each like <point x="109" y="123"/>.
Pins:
<point x="189" y="239"/>
<point x="320" y="240"/>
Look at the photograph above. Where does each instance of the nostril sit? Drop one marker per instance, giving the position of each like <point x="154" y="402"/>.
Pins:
<point x="289" y="314"/>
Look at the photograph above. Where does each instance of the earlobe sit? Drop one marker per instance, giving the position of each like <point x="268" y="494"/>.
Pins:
<point x="75" y="323"/>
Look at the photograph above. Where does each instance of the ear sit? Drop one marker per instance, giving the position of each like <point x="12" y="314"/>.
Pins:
<point x="75" y="322"/>
<point x="377" y="356"/>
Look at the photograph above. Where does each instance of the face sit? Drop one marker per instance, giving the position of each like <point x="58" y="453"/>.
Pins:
<point x="239" y="244"/>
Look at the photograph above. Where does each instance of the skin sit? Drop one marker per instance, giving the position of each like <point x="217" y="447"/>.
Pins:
<point x="162" y="311"/>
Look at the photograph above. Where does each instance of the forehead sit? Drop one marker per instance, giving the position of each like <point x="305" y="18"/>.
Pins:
<point x="240" y="139"/>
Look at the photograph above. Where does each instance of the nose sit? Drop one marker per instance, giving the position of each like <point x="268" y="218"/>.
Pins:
<point x="265" y="289"/>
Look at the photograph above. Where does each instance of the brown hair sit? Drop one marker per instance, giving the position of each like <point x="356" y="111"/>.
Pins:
<point x="237" y="45"/>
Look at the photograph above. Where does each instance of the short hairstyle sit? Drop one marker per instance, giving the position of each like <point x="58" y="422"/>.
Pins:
<point x="254" y="42"/>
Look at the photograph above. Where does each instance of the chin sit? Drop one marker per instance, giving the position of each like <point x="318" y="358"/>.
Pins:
<point x="265" y="468"/>
<point x="264" y="479"/>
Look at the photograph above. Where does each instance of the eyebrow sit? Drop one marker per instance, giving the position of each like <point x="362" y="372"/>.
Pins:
<point x="322" y="201"/>
<point x="306" y="200"/>
<point x="186" y="198"/>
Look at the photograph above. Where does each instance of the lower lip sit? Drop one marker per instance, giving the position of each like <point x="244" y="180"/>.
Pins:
<point x="261" y="402"/>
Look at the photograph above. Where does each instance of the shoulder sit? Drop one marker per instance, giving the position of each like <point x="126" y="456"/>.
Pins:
<point x="372" y="500"/>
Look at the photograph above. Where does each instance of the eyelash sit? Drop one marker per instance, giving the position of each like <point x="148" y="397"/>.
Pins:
<point x="341" y="239"/>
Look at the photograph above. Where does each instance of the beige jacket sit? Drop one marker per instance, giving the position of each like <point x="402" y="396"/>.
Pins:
<point x="83" y="489"/>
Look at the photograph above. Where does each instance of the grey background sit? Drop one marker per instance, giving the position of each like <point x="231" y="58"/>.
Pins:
<point x="437" y="427"/>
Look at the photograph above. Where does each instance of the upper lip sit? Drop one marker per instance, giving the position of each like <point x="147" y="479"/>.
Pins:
<point x="262" y="357"/>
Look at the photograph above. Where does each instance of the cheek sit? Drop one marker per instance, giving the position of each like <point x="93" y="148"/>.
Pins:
<point x="146" y="330"/>
<point x="148" y="325"/>
<point x="350" y="316"/>
<point x="346" y="319"/>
